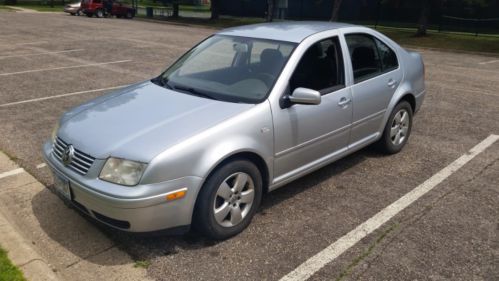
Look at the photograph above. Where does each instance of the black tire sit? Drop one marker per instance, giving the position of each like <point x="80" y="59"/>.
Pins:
<point x="204" y="214"/>
<point x="129" y="15"/>
<point x="73" y="14"/>
<point x="99" y="13"/>
<point x="89" y="15"/>
<point x="387" y="143"/>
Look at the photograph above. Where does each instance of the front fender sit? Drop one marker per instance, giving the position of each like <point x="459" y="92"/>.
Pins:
<point x="250" y="131"/>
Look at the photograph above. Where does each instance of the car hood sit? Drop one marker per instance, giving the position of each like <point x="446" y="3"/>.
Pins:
<point x="141" y="121"/>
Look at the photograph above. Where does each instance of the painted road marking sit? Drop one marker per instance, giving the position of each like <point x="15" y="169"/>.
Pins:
<point x="39" y="54"/>
<point x="488" y="62"/>
<point x="41" y="165"/>
<point x="60" y="96"/>
<point x="63" y="67"/>
<point x="26" y="43"/>
<point x="11" y="173"/>
<point x="321" y="259"/>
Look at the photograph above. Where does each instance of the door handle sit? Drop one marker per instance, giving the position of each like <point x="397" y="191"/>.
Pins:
<point x="392" y="83"/>
<point x="344" y="102"/>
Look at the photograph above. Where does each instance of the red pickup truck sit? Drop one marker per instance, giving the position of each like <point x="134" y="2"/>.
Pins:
<point x="97" y="8"/>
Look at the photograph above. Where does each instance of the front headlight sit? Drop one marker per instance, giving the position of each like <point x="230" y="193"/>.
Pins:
<point x="54" y="132"/>
<point x="121" y="171"/>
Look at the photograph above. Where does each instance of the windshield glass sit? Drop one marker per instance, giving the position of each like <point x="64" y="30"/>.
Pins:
<point x="229" y="68"/>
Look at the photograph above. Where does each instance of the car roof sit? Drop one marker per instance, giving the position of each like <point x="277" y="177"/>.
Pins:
<point x="291" y="31"/>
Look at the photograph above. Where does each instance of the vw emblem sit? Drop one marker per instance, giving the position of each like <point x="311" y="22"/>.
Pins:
<point x="67" y="155"/>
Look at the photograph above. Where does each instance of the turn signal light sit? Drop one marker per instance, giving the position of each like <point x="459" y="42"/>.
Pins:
<point x="176" y="194"/>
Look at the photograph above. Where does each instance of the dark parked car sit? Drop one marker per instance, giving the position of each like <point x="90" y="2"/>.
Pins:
<point x="97" y="8"/>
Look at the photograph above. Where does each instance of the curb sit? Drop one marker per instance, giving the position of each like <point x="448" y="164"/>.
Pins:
<point x="23" y="255"/>
<point x="34" y="229"/>
<point x="488" y="54"/>
<point x="20" y="250"/>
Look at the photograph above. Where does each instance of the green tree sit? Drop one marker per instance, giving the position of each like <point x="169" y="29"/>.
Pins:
<point x="215" y="9"/>
<point x="336" y="10"/>
<point x="424" y="13"/>
<point x="270" y="9"/>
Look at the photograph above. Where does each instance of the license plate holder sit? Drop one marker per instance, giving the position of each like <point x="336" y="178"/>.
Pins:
<point x="62" y="186"/>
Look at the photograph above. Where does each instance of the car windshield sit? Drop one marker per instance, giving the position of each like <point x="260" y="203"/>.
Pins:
<point x="229" y="68"/>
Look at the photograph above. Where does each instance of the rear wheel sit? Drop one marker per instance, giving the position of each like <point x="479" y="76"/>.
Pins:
<point x="397" y="129"/>
<point x="228" y="200"/>
<point x="129" y="15"/>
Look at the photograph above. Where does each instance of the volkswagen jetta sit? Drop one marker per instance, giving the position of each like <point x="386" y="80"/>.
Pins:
<point x="244" y="112"/>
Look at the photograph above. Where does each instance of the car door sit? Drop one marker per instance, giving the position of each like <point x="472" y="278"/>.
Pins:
<point x="308" y="135"/>
<point x="117" y="8"/>
<point x="376" y="76"/>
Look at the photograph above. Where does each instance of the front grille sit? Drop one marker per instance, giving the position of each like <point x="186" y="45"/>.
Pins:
<point x="81" y="162"/>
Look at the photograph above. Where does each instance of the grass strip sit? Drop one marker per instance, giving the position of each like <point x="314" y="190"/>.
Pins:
<point x="9" y="272"/>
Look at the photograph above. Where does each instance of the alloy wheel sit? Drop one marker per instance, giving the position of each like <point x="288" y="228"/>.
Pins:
<point x="400" y="127"/>
<point x="234" y="199"/>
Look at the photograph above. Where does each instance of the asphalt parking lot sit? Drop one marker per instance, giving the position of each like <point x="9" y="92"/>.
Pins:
<point x="51" y="62"/>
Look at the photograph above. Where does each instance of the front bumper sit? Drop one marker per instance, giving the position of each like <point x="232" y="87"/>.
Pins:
<point x="133" y="209"/>
<point x="71" y="10"/>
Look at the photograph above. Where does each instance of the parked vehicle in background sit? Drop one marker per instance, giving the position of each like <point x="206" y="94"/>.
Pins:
<point x="96" y="7"/>
<point x="73" y="9"/>
<point x="244" y="112"/>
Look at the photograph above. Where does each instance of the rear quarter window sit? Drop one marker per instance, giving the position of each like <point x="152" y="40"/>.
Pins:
<point x="387" y="56"/>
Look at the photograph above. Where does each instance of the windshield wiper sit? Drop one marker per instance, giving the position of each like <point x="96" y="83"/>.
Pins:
<point x="193" y="92"/>
<point x="162" y="82"/>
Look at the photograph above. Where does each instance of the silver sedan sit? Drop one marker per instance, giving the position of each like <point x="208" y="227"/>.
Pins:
<point x="73" y="9"/>
<point x="243" y="113"/>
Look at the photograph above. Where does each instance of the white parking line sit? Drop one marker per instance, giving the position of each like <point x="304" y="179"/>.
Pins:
<point x="60" y="96"/>
<point x="487" y="62"/>
<point x="25" y="43"/>
<point x="11" y="173"/>
<point x="315" y="263"/>
<point x="64" y="67"/>
<point x="41" y="165"/>
<point x="39" y="54"/>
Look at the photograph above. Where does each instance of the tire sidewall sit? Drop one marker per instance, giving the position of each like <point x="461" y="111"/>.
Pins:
<point x="204" y="214"/>
<point x="386" y="140"/>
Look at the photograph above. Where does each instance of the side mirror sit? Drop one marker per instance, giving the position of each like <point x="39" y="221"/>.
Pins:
<point x="305" y="96"/>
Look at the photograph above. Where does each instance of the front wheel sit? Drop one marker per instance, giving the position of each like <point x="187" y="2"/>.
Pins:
<point x="397" y="129"/>
<point x="228" y="200"/>
<point x="99" y="13"/>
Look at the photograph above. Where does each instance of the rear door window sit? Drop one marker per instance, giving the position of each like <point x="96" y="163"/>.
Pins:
<point x="364" y="55"/>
